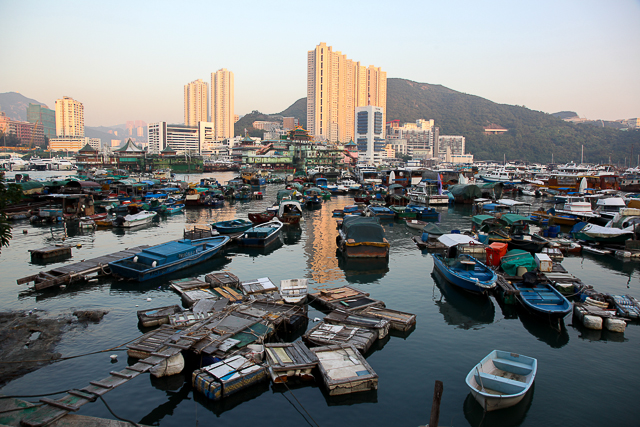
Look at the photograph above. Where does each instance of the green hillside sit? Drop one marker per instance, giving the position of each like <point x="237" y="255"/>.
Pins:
<point x="298" y="110"/>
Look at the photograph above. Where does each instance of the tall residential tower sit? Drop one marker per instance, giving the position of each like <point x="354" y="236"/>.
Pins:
<point x="69" y="117"/>
<point x="337" y="85"/>
<point x="196" y="102"/>
<point x="222" y="103"/>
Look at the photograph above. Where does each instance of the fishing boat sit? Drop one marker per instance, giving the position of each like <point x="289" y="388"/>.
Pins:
<point x="466" y="272"/>
<point x="173" y="209"/>
<point x="401" y="212"/>
<point x="362" y="237"/>
<point x="290" y="212"/>
<point x="416" y="224"/>
<point x="593" y="233"/>
<point x="527" y="242"/>
<point x="232" y="226"/>
<point x="542" y="299"/>
<point x="381" y="212"/>
<point x="261" y="235"/>
<point x="294" y="291"/>
<point x="424" y="213"/>
<point x="313" y="197"/>
<point x="168" y="257"/>
<point x="134" y="220"/>
<point x="261" y="217"/>
<point x="501" y="379"/>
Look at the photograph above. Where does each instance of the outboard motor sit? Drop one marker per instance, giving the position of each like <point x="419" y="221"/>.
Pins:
<point x="119" y="221"/>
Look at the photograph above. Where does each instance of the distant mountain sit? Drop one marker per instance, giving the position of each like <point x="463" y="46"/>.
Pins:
<point x="14" y="105"/>
<point x="298" y="110"/>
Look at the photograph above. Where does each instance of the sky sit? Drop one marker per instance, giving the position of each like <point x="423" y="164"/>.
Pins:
<point x="129" y="60"/>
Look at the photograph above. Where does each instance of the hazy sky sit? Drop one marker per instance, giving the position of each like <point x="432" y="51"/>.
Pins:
<point x="128" y="60"/>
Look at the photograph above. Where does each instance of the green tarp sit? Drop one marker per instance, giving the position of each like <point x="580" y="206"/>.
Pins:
<point x="363" y="229"/>
<point x="517" y="258"/>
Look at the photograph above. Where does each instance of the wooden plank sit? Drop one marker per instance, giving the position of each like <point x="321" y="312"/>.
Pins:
<point x="59" y="404"/>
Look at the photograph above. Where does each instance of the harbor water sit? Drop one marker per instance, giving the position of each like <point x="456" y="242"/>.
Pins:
<point x="584" y="377"/>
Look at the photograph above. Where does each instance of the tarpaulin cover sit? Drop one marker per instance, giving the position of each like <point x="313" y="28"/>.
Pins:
<point x="517" y="258"/>
<point x="363" y="229"/>
<point x="465" y="191"/>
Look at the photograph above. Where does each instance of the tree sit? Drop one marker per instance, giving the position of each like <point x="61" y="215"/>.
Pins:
<point x="9" y="194"/>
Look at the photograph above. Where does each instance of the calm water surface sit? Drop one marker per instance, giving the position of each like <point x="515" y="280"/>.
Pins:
<point x="584" y="377"/>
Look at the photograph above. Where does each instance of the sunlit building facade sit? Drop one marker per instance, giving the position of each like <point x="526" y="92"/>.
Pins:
<point x="69" y="117"/>
<point x="222" y="114"/>
<point x="337" y="85"/>
<point x="196" y="102"/>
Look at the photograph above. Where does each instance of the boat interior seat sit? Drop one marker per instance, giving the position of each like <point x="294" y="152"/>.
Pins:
<point x="500" y="384"/>
<point x="513" y="366"/>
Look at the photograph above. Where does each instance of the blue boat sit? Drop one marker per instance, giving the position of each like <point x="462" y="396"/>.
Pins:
<point x="501" y="379"/>
<point x="381" y="212"/>
<point x="168" y="257"/>
<point x="261" y="235"/>
<point x="424" y="213"/>
<point x="172" y="209"/>
<point x="466" y="272"/>
<point x="232" y="226"/>
<point x="542" y="299"/>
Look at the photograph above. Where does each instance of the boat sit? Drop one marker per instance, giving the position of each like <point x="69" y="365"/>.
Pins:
<point x="424" y="213"/>
<point x="228" y="376"/>
<point x="527" y="242"/>
<point x="232" y="226"/>
<point x="294" y="291"/>
<point x="168" y="257"/>
<point x="173" y="209"/>
<point x="433" y="230"/>
<point x="261" y="235"/>
<point x="157" y="316"/>
<point x="416" y="224"/>
<point x="401" y="212"/>
<point x="542" y="299"/>
<point x="261" y="217"/>
<point x="500" y="175"/>
<point x="593" y="233"/>
<point x="501" y="379"/>
<point x="381" y="212"/>
<point x="466" y="272"/>
<point x="362" y="237"/>
<point x="626" y="306"/>
<point x="290" y="212"/>
<point x="134" y="220"/>
<point x="313" y="197"/>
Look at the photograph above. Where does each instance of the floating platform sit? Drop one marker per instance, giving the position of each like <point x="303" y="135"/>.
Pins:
<point x="227" y="377"/>
<point x="222" y="279"/>
<point x="290" y="360"/>
<point x="345" y="298"/>
<point x="398" y="320"/>
<point x="44" y="254"/>
<point x="359" y="320"/>
<point x="328" y="334"/>
<point x="157" y="316"/>
<point x="79" y="270"/>
<point x="344" y="370"/>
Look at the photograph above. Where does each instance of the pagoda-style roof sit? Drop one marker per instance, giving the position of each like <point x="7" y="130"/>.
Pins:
<point x="129" y="147"/>
<point x="88" y="149"/>
<point x="168" y="150"/>
<point x="299" y="134"/>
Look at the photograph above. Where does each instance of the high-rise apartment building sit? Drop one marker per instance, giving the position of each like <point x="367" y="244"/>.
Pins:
<point x="69" y="117"/>
<point x="44" y="117"/>
<point x="222" y="114"/>
<point x="196" y="102"/>
<point x="337" y="85"/>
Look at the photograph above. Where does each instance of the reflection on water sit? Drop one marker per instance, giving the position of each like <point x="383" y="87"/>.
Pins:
<point x="508" y="417"/>
<point x="230" y="402"/>
<point x="462" y="309"/>
<point x="598" y="335"/>
<point x="362" y="270"/>
<point x="291" y="234"/>
<point x="543" y="330"/>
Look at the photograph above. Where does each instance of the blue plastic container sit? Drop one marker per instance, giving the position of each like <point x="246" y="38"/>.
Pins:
<point x="554" y="230"/>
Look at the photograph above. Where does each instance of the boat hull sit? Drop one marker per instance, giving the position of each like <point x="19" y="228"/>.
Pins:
<point x="465" y="280"/>
<point x="543" y="300"/>
<point x="130" y="269"/>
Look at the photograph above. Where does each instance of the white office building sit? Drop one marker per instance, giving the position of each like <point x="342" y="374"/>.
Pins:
<point x="369" y="132"/>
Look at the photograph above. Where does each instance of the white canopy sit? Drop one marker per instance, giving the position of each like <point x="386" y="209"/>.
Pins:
<point x="510" y="202"/>
<point x="450" y="240"/>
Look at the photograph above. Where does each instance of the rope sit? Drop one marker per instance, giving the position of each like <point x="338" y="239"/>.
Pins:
<point x="307" y="412"/>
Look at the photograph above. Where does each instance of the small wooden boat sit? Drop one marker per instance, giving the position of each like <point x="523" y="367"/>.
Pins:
<point x="362" y="237"/>
<point x="261" y="217"/>
<point x="290" y="359"/>
<point x="401" y="212"/>
<point x="542" y="299"/>
<point x="433" y="230"/>
<point x="232" y="226"/>
<point x="416" y="224"/>
<point x="294" y="291"/>
<point x="466" y="272"/>
<point x="173" y="209"/>
<point x="157" y="316"/>
<point x="290" y="212"/>
<point x="501" y="379"/>
<point x="261" y="235"/>
<point x="168" y="257"/>
<point x="104" y="223"/>
<point x="134" y="220"/>
<point x="424" y="213"/>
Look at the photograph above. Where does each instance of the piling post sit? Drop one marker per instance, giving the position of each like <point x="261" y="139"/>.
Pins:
<point x="435" y="406"/>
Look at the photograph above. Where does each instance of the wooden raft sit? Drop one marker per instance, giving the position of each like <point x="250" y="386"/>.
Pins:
<point x="77" y="271"/>
<point x="50" y="252"/>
